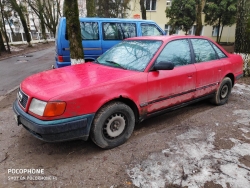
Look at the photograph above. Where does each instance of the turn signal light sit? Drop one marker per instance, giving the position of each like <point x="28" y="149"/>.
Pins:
<point x="54" y="109"/>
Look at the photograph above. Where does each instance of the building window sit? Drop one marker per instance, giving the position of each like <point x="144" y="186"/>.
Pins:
<point x="192" y="30"/>
<point x="168" y="3"/>
<point x="215" y="31"/>
<point x="150" y="4"/>
<point x="168" y="28"/>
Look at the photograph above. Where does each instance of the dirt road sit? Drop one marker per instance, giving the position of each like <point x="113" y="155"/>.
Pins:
<point x="197" y="146"/>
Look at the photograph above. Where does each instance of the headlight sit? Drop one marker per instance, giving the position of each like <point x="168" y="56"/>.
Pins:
<point x="37" y="106"/>
<point x="47" y="109"/>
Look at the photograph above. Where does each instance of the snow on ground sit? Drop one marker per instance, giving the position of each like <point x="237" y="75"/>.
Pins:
<point x="192" y="160"/>
<point x="241" y="88"/>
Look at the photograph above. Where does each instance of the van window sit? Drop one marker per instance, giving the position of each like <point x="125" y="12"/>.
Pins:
<point x="150" y="30"/>
<point x="118" y="31"/>
<point x="89" y="30"/>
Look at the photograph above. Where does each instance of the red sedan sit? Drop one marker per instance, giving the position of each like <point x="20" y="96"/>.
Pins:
<point x="134" y="80"/>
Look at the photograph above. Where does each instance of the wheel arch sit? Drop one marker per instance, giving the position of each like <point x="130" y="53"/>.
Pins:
<point x="231" y="76"/>
<point x="126" y="101"/>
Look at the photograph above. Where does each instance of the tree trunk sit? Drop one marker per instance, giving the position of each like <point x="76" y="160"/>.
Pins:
<point x="42" y="22"/>
<point x="143" y="10"/>
<point x="242" y="41"/>
<point x="2" y="46"/>
<point x="221" y="33"/>
<point x="198" y="18"/>
<point x="4" y="30"/>
<point x="71" y="12"/>
<point x="90" y="4"/>
<point x="240" y="32"/>
<point x="19" y="11"/>
<point x="218" y="32"/>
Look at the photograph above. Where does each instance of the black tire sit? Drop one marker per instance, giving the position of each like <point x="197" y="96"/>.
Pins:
<point x="112" y="125"/>
<point x="222" y="94"/>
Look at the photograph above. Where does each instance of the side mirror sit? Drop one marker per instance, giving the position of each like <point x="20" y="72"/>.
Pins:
<point x="164" y="65"/>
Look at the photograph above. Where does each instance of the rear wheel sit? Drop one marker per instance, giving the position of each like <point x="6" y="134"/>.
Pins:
<point x="113" y="125"/>
<point x="222" y="94"/>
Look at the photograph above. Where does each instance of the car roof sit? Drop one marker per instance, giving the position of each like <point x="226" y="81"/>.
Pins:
<point x="168" y="37"/>
<point x="112" y="19"/>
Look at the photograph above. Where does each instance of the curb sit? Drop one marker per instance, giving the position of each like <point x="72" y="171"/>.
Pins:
<point x="8" y="92"/>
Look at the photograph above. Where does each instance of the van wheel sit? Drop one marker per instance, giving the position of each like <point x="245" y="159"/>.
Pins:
<point x="112" y="125"/>
<point x="222" y="94"/>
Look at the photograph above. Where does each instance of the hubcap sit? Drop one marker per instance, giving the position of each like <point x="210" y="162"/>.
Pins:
<point x="224" y="91"/>
<point x="114" y="125"/>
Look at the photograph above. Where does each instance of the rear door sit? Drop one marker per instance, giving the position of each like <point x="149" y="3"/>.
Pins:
<point x="208" y="65"/>
<point x="167" y="88"/>
<point x="115" y="32"/>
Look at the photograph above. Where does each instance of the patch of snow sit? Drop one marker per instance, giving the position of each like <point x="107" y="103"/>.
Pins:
<point x="192" y="161"/>
<point x="77" y="61"/>
<point x="241" y="89"/>
<point x="245" y="116"/>
<point x="245" y="130"/>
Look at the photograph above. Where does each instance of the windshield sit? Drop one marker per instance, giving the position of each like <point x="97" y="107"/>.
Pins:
<point x="130" y="55"/>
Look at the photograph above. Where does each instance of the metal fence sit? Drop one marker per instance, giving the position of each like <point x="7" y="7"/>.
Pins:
<point x="19" y="38"/>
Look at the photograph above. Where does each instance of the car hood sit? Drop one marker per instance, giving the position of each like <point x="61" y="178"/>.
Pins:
<point x="52" y="83"/>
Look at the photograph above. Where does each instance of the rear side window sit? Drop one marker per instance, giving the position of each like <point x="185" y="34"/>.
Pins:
<point x="89" y="30"/>
<point x="118" y="31"/>
<point x="218" y="51"/>
<point x="150" y="30"/>
<point x="203" y="50"/>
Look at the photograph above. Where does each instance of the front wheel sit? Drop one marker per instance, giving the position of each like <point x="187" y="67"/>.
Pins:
<point x="222" y="94"/>
<point x="112" y="125"/>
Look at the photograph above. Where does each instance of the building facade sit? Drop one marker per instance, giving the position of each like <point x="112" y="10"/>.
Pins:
<point x="156" y="12"/>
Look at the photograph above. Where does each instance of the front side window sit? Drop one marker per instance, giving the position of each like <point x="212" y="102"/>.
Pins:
<point x="89" y="30"/>
<point x="130" y="55"/>
<point x="118" y="31"/>
<point x="176" y="52"/>
<point x="150" y="30"/>
<point x="150" y="4"/>
<point x="203" y="50"/>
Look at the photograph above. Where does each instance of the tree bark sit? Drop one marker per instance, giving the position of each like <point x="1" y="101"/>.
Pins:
<point x="71" y="12"/>
<point x="5" y="34"/>
<point x="240" y="32"/>
<point x="143" y="10"/>
<point x="221" y="33"/>
<point x="198" y="18"/>
<point x="90" y="4"/>
<point x="2" y="46"/>
<point x="218" y="32"/>
<point x="42" y="22"/>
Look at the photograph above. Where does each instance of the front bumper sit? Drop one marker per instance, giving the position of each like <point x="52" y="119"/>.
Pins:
<point x="55" y="130"/>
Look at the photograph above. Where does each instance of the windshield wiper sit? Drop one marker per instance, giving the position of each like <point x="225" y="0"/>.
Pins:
<point x="117" y="64"/>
